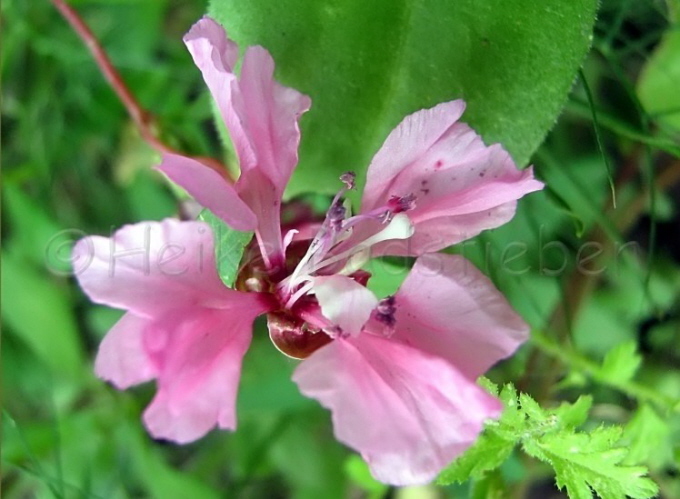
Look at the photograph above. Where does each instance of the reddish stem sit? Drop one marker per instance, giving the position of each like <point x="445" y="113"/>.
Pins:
<point x="142" y="119"/>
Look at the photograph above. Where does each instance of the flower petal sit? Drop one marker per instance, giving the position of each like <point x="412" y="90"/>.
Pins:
<point x="215" y="55"/>
<point x="269" y="113"/>
<point x="262" y="118"/>
<point x="151" y="267"/>
<point x="210" y="190"/>
<point x="448" y="308"/>
<point x="344" y="302"/>
<point x="404" y="146"/>
<point x="437" y="233"/>
<point x="258" y="191"/>
<point x="261" y="115"/>
<point x="211" y="49"/>
<point x="199" y="359"/>
<point x="122" y="357"/>
<point x="408" y="413"/>
<point x="461" y="185"/>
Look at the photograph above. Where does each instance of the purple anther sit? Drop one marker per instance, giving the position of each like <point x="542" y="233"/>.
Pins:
<point x="336" y="215"/>
<point x="385" y="310"/>
<point x="398" y="204"/>
<point x="348" y="179"/>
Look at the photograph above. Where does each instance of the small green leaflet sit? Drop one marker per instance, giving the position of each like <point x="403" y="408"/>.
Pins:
<point x="587" y="462"/>
<point x="487" y="454"/>
<point x="584" y="462"/>
<point x="621" y="363"/>
<point x="229" y="246"/>
<point x="650" y="438"/>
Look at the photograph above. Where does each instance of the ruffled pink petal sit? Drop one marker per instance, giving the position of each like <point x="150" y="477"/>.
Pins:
<point x="408" y="413"/>
<point x="199" y="363"/>
<point x="151" y="267"/>
<point x="185" y="329"/>
<point x="261" y="115"/>
<point x="344" y="302"/>
<point x="213" y="52"/>
<point x="269" y="113"/>
<point x="457" y="180"/>
<point x="486" y="181"/>
<point x="210" y="190"/>
<point x="215" y="55"/>
<point x="258" y="191"/>
<point x="446" y="307"/>
<point x="405" y="145"/>
<point x="262" y="118"/>
<point x="122" y="358"/>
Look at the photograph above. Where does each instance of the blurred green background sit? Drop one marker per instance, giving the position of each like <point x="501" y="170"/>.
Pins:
<point x="73" y="164"/>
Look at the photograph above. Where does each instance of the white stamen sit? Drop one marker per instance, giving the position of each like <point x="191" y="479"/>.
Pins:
<point x="288" y="238"/>
<point x="400" y="227"/>
<point x="298" y="294"/>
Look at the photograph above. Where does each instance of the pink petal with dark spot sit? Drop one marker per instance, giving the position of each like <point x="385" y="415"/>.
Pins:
<point x="462" y="187"/>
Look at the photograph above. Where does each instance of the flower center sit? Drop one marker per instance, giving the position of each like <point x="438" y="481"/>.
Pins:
<point x="341" y="246"/>
<point x="293" y="336"/>
<point x="296" y="331"/>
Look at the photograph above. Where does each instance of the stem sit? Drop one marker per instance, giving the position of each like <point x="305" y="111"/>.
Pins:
<point x="578" y="287"/>
<point x="592" y="369"/>
<point x="614" y="125"/>
<point x="143" y="120"/>
<point x="598" y="136"/>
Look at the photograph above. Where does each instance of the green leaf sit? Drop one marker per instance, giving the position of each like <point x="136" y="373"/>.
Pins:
<point x="39" y="311"/>
<point x="386" y="276"/>
<point x="359" y="473"/>
<point x="658" y="84"/>
<point x="649" y="437"/>
<point x="574" y="415"/>
<point x="512" y="421"/>
<point x="488" y="453"/>
<point x="368" y="65"/>
<point x="531" y="408"/>
<point x="583" y="462"/>
<point x="492" y="486"/>
<point x="587" y="462"/>
<point x="620" y="364"/>
<point x="229" y="246"/>
<point x="34" y="233"/>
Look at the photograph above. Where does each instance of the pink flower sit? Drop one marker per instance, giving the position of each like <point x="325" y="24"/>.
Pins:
<point x="398" y="374"/>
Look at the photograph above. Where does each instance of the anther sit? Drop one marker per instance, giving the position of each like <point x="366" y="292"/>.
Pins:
<point x="348" y="179"/>
<point x="336" y="215"/>
<point x="385" y="310"/>
<point x="399" y="204"/>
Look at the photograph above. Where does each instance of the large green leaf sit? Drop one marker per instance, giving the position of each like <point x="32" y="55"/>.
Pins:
<point x="366" y="65"/>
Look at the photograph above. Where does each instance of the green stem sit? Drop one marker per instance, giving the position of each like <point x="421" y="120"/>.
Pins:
<point x="592" y="370"/>
<point x="613" y="124"/>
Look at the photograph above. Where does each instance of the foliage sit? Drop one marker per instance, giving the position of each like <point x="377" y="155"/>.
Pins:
<point x="583" y="462"/>
<point x="598" y="284"/>
<point x="229" y="247"/>
<point x="392" y="58"/>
